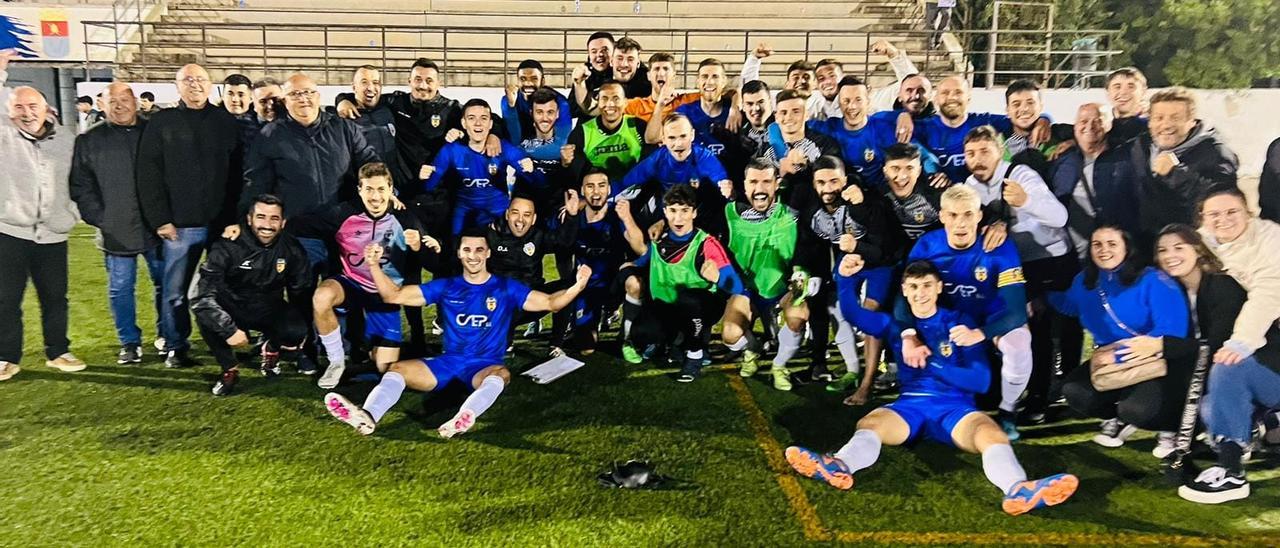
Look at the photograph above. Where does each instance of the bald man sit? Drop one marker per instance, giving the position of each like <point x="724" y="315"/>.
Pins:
<point x="189" y="178"/>
<point x="103" y="175"/>
<point x="309" y="158"/>
<point x="943" y="133"/>
<point x="34" y="223"/>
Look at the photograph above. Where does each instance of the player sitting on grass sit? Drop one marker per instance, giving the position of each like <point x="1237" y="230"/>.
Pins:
<point x="937" y="400"/>
<point x="476" y="311"/>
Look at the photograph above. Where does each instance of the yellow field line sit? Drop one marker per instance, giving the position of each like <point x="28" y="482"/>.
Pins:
<point x="804" y="512"/>
<point x="814" y="530"/>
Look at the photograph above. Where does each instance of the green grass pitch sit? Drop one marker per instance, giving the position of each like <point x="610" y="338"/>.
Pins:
<point x="142" y="455"/>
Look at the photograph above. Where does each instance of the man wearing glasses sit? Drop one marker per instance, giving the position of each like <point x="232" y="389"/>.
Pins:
<point x="188" y="176"/>
<point x="306" y="158"/>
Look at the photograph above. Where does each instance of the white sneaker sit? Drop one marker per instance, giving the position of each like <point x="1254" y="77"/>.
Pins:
<point x="459" y="424"/>
<point x="332" y="375"/>
<point x="159" y="344"/>
<point x="1114" y="433"/>
<point x="342" y="409"/>
<point x="1165" y="444"/>
<point x="8" y="370"/>
<point x="67" y="363"/>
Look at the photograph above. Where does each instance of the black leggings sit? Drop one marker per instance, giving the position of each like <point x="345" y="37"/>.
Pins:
<point x="689" y="319"/>
<point x="1154" y="405"/>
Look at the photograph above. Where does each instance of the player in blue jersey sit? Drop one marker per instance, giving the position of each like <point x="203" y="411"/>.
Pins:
<point x="712" y="114"/>
<point x="986" y="285"/>
<point x="943" y="133"/>
<point x="937" y="400"/>
<point x="602" y="244"/>
<point x="864" y="137"/>
<point x="482" y="195"/>
<point x="476" y="308"/>
<point x="681" y="161"/>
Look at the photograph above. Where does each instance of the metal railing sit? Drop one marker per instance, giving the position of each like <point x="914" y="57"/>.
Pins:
<point x="485" y="55"/>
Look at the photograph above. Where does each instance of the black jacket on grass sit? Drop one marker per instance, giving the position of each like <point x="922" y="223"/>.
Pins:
<point x="104" y="186"/>
<point x="189" y="167"/>
<point x="309" y="167"/>
<point x="245" y="276"/>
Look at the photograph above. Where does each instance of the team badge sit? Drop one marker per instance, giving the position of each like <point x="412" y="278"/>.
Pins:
<point x="980" y="273"/>
<point x="493" y="169"/>
<point x="693" y="182"/>
<point x="918" y="216"/>
<point x="869" y="155"/>
<point x="945" y="349"/>
<point x="280" y="263"/>
<point x="491" y="303"/>
<point x="529" y="249"/>
<point x="435" y="120"/>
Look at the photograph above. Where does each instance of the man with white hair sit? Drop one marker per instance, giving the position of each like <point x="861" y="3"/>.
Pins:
<point x="189" y="175"/>
<point x="34" y="223"/>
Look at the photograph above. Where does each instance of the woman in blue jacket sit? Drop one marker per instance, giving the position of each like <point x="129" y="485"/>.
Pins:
<point x="1118" y="299"/>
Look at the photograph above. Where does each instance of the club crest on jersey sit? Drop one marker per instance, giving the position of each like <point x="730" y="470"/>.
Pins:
<point x="918" y="216"/>
<point x="693" y="182"/>
<point x="945" y="349"/>
<point x="435" y="120"/>
<point x="491" y="303"/>
<point x="280" y="264"/>
<point x="493" y="169"/>
<point x="529" y="249"/>
<point x="980" y="273"/>
<point x="869" y="155"/>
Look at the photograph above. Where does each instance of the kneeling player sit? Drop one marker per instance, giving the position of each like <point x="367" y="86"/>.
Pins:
<point x="477" y="309"/>
<point x="937" y="400"/>
<point x="689" y="278"/>
<point x="762" y="238"/>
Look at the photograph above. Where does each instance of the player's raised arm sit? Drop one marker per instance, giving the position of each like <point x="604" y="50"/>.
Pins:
<point x="538" y="301"/>
<point x="387" y="289"/>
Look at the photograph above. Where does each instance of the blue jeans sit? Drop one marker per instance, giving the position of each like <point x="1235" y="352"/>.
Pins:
<point x="122" y="278"/>
<point x="180" y="256"/>
<point x="317" y="254"/>
<point x="1234" y="392"/>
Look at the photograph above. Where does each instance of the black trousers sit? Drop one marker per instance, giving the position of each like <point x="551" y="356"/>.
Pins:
<point x="46" y="266"/>
<point x="1154" y="405"/>
<point x="1055" y="338"/>
<point x="281" y="324"/>
<point x="688" y="320"/>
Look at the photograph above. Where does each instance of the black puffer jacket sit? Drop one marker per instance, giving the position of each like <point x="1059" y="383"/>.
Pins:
<point x="104" y="187"/>
<point x="1204" y="161"/>
<point x="309" y="167"/>
<point x="520" y="257"/>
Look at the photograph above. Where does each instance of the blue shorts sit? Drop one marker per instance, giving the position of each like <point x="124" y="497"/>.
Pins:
<point x="875" y="283"/>
<point x="764" y="307"/>
<point x="933" y="416"/>
<point x="381" y="320"/>
<point x="449" y="368"/>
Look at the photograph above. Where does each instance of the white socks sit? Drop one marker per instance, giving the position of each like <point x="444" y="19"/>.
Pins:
<point x="862" y="450"/>
<point x="385" y="395"/>
<point x="740" y="344"/>
<point x="845" y="341"/>
<point x="480" y="400"/>
<point x="788" y="344"/>
<point x="332" y="343"/>
<point x="1015" y="369"/>
<point x="1002" y="467"/>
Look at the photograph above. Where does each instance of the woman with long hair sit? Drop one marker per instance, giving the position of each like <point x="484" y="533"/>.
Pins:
<point x="1119" y="300"/>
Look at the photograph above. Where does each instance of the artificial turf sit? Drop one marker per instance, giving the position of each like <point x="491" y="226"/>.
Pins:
<point x="143" y="455"/>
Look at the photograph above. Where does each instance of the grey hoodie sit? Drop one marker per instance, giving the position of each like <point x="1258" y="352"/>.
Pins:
<point x="35" y="203"/>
